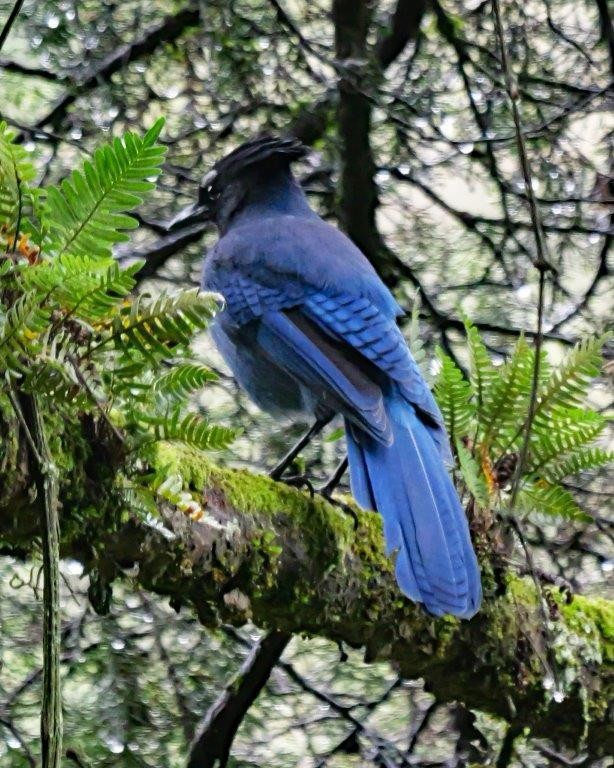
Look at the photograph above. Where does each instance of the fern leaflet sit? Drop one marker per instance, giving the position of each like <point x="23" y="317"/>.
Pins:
<point x="85" y="215"/>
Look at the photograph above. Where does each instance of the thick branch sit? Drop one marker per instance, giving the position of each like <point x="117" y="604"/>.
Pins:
<point x="211" y="746"/>
<point x="404" y="25"/>
<point x="268" y="553"/>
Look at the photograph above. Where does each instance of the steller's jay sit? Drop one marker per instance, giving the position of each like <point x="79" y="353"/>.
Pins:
<point x="308" y="327"/>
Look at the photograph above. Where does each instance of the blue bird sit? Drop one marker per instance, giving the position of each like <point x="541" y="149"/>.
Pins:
<point x="309" y="327"/>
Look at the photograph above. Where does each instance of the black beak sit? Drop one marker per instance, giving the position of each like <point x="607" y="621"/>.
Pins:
<point x="192" y="214"/>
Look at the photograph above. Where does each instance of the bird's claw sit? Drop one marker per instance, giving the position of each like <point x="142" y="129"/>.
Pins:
<point x="327" y="493"/>
<point x="300" y="481"/>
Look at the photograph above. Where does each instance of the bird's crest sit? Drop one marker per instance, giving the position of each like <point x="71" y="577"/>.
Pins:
<point x="253" y="152"/>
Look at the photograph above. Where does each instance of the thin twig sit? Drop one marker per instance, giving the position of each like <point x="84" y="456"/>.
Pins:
<point x="541" y="261"/>
<point x="542" y="265"/>
<point x="9" y="725"/>
<point x="9" y="22"/>
<point x="46" y="482"/>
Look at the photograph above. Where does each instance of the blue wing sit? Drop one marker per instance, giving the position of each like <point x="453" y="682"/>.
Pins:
<point x="342" y="346"/>
<point x="275" y="321"/>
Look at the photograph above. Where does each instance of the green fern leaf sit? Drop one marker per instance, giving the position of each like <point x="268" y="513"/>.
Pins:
<point x="87" y="286"/>
<point x="454" y="397"/>
<point x="51" y="374"/>
<point x="571" y="430"/>
<point x="192" y="430"/>
<point x="583" y="460"/>
<point x="85" y="215"/>
<point x="568" y="385"/>
<point x="182" y="380"/>
<point x="155" y="327"/>
<point x="54" y="380"/>
<point x="542" y="498"/>
<point x="472" y="476"/>
<point x="21" y="328"/>
<point x="506" y="399"/>
<point x="482" y="372"/>
<point x="16" y="171"/>
<point x="140" y="500"/>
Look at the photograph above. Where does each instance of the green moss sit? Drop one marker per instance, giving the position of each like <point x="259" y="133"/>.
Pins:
<point x="368" y="545"/>
<point x="325" y="530"/>
<point x="522" y="590"/>
<point x="10" y="472"/>
<point x="579" y="638"/>
<point x="242" y="490"/>
<point x="592" y="617"/>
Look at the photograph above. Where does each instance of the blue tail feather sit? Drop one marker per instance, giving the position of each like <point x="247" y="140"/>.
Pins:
<point x="424" y="522"/>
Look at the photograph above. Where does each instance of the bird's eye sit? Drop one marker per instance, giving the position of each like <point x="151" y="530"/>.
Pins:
<point x="212" y="193"/>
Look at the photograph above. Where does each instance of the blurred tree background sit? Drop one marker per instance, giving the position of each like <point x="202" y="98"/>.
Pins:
<point x="414" y="156"/>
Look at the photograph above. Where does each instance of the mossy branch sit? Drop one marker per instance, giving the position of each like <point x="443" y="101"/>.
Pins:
<point x="268" y="553"/>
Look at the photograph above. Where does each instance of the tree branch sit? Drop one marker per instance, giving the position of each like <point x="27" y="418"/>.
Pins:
<point x="8" y="65"/>
<point x="211" y="746"/>
<point x="268" y="553"/>
<point x="167" y="32"/>
<point x="46" y="483"/>
<point x="4" y="33"/>
<point x="404" y="26"/>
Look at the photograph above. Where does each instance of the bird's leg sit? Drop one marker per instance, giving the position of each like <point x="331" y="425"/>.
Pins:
<point x="327" y="489"/>
<point x="317" y="427"/>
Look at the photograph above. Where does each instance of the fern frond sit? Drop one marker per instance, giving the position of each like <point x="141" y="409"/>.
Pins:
<point x="21" y="327"/>
<point x="52" y="379"/>
<point x="51" y="374"/>
<point x="506" y="399"/>
<point x="571" y="430"/>
<point x="6" y="267"/>
<point x="540" y="497"/>
<point x="482" y="372"/>
<point x="16" y="170"/>
<point x="182" y="380"/>
<point x="192" y="430"/>
<point x="472" y="475"/>
<point x="154" y="327"/>
<point x="85" y="214"/>
<point x="140" y="500"/>
<point x="91" y="285"/>
<point x="569" y="383"/>
<point x="454" y="396"/>
<point x="583" y="460"/>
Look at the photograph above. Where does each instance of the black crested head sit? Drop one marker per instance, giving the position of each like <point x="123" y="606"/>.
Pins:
<point x="226" y="187"/>
<point x="261" y="151"/>
<point x="236" y="179"/>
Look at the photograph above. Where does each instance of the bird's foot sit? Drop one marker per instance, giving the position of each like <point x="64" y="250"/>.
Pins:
<point x="300" y="481"/>
<point x="327" y="493"/>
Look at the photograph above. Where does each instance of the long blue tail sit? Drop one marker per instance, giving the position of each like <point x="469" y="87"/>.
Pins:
<point x="409" y="485"/>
